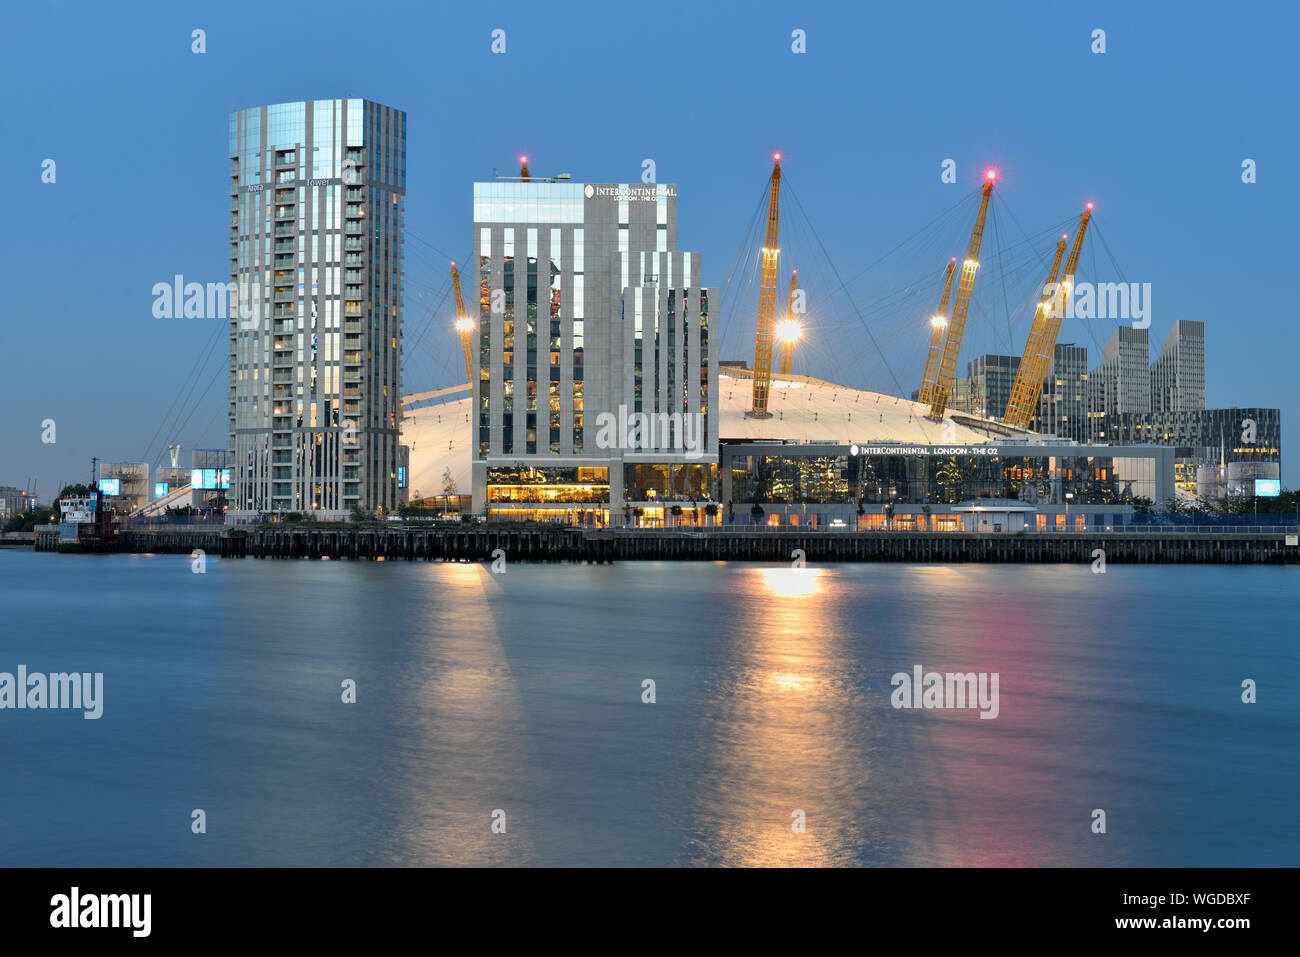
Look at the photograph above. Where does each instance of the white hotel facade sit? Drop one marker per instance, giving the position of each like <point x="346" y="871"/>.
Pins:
<point x="589" y="318"/>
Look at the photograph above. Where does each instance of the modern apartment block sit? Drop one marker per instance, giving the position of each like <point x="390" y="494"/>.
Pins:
<point x="1122" y="383"/>
<point x="316" y="211"/>
<point x="1063" y="403"/>
<point x="1178" y="376"/>
<point x="596" y="384"/>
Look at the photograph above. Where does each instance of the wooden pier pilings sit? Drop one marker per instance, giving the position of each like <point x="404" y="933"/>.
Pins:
<point x="560" y="544"/>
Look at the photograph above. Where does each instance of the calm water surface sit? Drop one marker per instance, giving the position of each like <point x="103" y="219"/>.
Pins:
<point x="522" y="692"/>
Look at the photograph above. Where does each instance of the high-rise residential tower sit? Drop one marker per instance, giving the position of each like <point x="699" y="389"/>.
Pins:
<point x="596" y="383"/>
<point x="316" y="212"/>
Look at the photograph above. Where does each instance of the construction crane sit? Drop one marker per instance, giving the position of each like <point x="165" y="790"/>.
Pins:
<point x="788" y="331"/>
<point x="465" y="326"/>
<point x="937" y="326"/>
<point x="767" y="300"/>
<point x="957" y="324"/>
<point x="1038" y="350"/>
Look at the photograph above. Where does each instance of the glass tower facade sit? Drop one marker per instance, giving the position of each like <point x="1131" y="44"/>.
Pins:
<point x="316" y="212"/>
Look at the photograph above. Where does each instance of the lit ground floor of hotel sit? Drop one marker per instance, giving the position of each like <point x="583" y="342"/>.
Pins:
<point x="977" y="516"/>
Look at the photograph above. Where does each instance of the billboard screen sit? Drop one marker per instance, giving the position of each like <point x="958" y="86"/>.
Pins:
<point x="110" y="486"/>
<point x="1268" y="488"/>
<point x="159" y="489"/>
<point x="210" y="478"/>
<point x="401" y="476"/>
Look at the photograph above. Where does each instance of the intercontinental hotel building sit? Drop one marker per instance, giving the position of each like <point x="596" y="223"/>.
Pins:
<point x="590" y="321"/>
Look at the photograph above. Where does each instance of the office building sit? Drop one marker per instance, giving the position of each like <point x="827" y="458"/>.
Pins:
<point x="1178" y="375"/>
<point x="15" y="501"/>
<point x="1242" y="444"/>
<point x="316" y="211"/>
<point x="1063" y="403"/>
<point x="123" y="486"/>
<point x="1122" y="383"/>
<point x="985" y="390"/>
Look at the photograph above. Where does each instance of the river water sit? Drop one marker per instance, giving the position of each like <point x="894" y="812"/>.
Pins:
<point x="519" y="698"/>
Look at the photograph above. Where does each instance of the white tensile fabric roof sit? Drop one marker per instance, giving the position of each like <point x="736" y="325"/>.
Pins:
<point x="441" y="433"/>
<point x="804" y="409"/>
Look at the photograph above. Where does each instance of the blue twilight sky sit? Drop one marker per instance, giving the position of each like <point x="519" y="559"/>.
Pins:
<point x="1154" y="131"/>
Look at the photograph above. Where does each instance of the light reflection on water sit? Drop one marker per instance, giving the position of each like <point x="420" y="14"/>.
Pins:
<point x="523" y="692"/>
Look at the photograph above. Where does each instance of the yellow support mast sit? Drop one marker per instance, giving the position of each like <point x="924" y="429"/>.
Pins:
<point x="1038" y="354"/>
<point x="789" y="331"/>
<point x="957" y="324"/>
<point x="937" y="326"/>
<point x="767" y="300"/>
<point x="1042" y="337"/>
<point x="465" y="326"/>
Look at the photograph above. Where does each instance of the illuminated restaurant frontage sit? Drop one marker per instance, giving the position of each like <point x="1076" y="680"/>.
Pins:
<point x="648" y="494"/>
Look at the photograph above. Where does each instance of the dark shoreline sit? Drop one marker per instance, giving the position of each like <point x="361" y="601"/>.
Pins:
<point x="599" y="546"/>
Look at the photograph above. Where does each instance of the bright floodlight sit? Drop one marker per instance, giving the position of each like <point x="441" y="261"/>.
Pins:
<point x="992" y="174"/>
<point x="938" y="322"/>
<point x="788" y="330"/>
<point x="464" y="324"/>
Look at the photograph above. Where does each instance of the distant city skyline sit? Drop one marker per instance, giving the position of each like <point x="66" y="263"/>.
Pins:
<point x="1155" y="130"/>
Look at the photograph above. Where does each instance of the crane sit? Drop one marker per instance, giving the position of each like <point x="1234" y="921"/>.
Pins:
<point x="937" y="325"/>
<point x="1042" y="337"/>
<point x="788" y="331"/>
<point x="767" y="300"/>
<point x="465" y="326"/>
<point x="1024" y="395"/>
<point x="957" y="324"/>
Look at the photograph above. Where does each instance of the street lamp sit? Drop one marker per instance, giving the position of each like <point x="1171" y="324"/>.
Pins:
<point x="1068" y="497"/>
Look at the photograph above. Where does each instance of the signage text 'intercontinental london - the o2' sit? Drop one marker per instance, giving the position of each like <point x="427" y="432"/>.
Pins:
<point x="991" y="450"/>
<point x="641" y="194"/>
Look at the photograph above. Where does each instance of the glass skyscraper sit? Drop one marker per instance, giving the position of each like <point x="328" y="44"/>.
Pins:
<point x="316" y="210"/>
